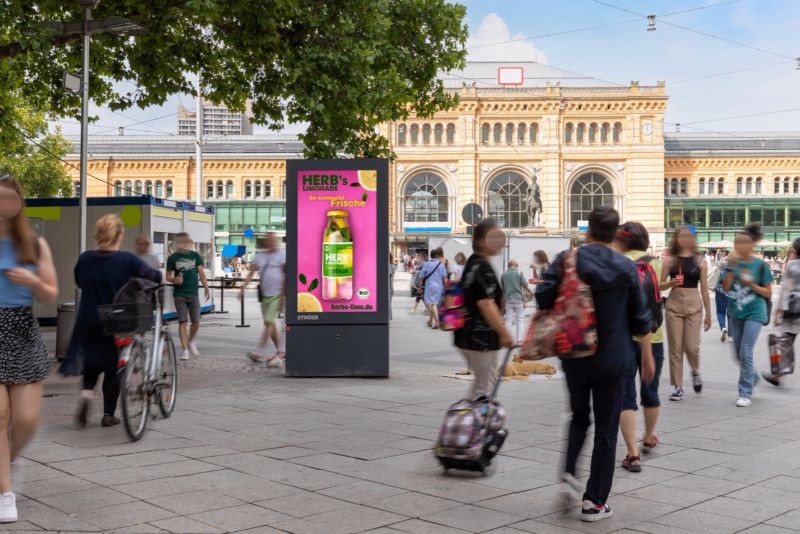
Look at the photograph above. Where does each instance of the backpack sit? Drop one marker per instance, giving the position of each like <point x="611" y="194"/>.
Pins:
<point x="568" y="329"/>
<point x="652" y="292"/>
<point x="453" y="312"/>
<point x="467" y="427"/>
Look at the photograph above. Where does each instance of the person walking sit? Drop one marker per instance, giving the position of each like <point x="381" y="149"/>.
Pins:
<point x="432" y="281"/>
<point x="632" y="241"/>
<point x="459" y="261"/>
<point x="513" y="283"/>
<point x="99" y="274"/>
<point x="721" y="302"/>
<point x="185" y="271"/>
<point x="26" y="273"/>
<point x="484" y="331"/>
<point x="540" y="265"/>
<point x="787" y="314"/>
<point x="143" y="252"/>
<point x="687" y="271"/>
<point x="596" y="383"/>
<point x="748" y="281"/>
<point x="270" y="263"/>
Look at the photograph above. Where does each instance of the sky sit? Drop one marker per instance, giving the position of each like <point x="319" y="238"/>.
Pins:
<point x="756" y="36"/>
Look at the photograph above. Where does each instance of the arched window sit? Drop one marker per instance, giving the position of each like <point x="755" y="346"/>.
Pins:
<point x="673" y="187"/>
<point x="170" y="190"/>
<point x="758" y="185"/>
<point x="786" y="186"/>
<point x="128" y="188"/>
<point x="589" y="191"/>
<point x="248" y="189"/>
<point x="401" y="134"/>
<point x="568" y="133"/>
<point x="522" y="131"/>
<point x="721" y="186"/>
<point x="415" y="134"/>
<point x="508" y="193"/>
<point x="711" y="186"/>
<point x="148" y="188"/>
<point x="739" y="186"/>
<point x="684" y="187"/>
<point x="229" y="189"/>
<point x="137" y="187"/>
<point x="748" y="185"/>
<point x="796" y="186"/>
<point x="593" y="132"/>
<point x="701" y="186"/>
<point x="498" y="133"/>
<point x="451" y="134"/>
<point x="267" y="188"/>
<point x="509" y="133"/>
<point x="118" y="188"/>
<point x="209" y="189"/>
<point x="534" y="132"/>
<point x="777" y="186"/>
<point x="159" y="189"/>
<point x="425" y="199"/>
<point x="258" y="188"/>
<point x="220" y="189"/>
<point x="486" y="132"/>
<point x="617" y="134"/>
<point x="426" y="134"/>
<point x="580" y="133"/>
<point x="438" y="134"/>
<point x="604" y="131"/>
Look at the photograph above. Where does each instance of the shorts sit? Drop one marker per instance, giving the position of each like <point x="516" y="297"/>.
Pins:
<point x="187" y="308"/>
<point x="270" y="306"/>
<point x="649" y="392"/>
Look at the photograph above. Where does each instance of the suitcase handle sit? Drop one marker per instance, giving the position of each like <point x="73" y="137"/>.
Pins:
<point x="506" y="358"/>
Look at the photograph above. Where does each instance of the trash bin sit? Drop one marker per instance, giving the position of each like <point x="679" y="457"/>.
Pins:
<point x="65" y="320"/>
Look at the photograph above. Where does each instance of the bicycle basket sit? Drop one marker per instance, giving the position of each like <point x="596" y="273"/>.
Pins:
<point x="126" y="317"/>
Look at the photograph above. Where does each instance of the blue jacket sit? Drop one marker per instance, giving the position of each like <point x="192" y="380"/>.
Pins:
<point x="619" y="302"/>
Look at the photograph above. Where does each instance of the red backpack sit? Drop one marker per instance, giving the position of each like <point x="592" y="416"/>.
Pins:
<point x="652" y="292"/>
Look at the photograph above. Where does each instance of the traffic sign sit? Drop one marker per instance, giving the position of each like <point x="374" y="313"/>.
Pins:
<point x="472" y="214"/>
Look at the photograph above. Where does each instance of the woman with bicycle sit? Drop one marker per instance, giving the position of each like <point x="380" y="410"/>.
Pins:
<point x="26" y="273"/>
<point x="100" y="273"/>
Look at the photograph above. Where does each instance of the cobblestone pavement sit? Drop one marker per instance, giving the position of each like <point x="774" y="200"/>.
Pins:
<point x="248" y="450"/>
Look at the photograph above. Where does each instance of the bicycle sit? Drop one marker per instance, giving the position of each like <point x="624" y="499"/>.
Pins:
<point x="148" y="372"/>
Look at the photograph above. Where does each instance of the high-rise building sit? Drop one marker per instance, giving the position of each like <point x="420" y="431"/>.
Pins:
<point x="217" y="120"/>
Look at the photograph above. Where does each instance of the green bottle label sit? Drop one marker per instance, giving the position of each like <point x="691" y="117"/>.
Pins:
<point x="337" y="259"/>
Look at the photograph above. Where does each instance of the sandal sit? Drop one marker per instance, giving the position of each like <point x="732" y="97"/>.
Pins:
<point x="648" y="446"/>
<point x="628" y="464"/>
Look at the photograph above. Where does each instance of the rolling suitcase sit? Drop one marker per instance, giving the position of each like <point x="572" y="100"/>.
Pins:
<point x="473" y="431"/>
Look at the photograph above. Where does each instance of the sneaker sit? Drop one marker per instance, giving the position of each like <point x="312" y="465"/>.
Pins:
<point x="774" y="380"/>
<point x="595" y="512"/>
<point x="743" y="403"/>
<point x="276" y="361"/>
<point x="697" y="382"/>
<point x="110" y="420"/>
<point x="185" y="355"/>
<point x="193" y="350"/>
<point x="724" y="335"/>
<point x="255" y="357"/>
<point x="8" y="507"/>
<point x="677" y="394"/>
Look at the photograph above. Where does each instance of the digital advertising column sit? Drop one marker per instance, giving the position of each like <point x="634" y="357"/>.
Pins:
<point x="337" y="268"/>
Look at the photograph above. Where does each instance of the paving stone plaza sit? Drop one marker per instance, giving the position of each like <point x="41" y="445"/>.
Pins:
<point x="249" y="450"/>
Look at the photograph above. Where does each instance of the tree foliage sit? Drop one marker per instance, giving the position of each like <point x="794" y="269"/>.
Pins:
<point x="343" y="66"/>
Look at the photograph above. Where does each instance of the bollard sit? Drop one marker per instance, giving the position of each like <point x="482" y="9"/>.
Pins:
<point x="241" y="320"/>
<point x="221" y="296"/>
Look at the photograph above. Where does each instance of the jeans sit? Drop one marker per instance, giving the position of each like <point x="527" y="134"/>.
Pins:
<point x="515" y="313"/>
<point x="590" y="391"/>
<point x="722" y="308"/>
<point x="745" y="334"/>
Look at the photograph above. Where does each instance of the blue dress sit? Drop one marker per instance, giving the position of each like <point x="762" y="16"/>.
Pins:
<point x="434" y="285"/>
<point x="99" y="274"/>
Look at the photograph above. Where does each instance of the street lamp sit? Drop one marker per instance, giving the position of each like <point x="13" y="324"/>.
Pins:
<point x="87" y="27"/>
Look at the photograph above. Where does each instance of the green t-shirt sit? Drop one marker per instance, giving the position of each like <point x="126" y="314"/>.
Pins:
<point x="743" y="302"/>
<point x="185" y="263"/>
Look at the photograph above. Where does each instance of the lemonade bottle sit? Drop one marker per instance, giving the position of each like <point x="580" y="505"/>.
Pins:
<point x="337" y="257"/>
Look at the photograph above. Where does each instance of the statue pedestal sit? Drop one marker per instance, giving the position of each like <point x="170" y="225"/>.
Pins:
<point x="537" y="231"/>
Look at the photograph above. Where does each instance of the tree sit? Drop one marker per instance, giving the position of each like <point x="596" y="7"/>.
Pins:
<point x="343" y="66"/>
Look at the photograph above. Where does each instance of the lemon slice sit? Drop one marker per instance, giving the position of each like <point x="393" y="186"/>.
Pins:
<point x="308" y="303"/>
<point x="368" y="180"/>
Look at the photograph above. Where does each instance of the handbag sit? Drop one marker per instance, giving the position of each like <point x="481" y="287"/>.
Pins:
<point x="568" y="329"/>
<point x="781" y="354"/>
<point x="527" y="294"/>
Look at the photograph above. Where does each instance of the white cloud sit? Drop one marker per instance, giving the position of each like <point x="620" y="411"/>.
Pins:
<point x="493" y="29"/>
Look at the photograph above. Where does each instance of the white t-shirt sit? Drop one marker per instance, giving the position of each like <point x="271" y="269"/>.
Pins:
<point x="270" y="265"/>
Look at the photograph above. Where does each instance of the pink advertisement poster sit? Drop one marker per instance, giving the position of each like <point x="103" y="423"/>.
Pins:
<point x="337" y="241"/>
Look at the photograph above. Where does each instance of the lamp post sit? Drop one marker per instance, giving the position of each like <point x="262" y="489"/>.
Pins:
<point x="87" y="27"/>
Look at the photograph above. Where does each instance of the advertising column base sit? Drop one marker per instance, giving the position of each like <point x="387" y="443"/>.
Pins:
<point x="338" y="351"/>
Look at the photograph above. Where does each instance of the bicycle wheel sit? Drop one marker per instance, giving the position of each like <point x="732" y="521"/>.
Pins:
<point x="134" y="396"/>
<point x="167" y="377"/>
